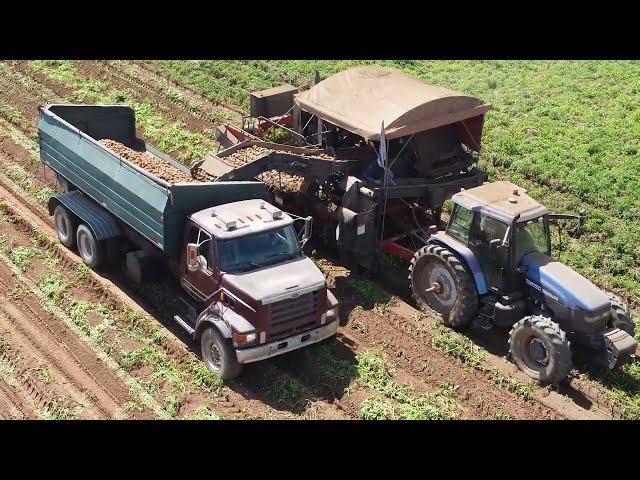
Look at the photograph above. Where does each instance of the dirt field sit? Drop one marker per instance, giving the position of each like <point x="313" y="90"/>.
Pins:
<point x="81" y="344"/>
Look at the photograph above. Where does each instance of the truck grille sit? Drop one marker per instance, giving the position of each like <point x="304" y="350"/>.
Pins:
<point x="293" y="315"/>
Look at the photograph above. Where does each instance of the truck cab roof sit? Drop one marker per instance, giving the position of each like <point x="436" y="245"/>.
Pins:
<point x="501" y="200"/>
<point x="238" y="219"/>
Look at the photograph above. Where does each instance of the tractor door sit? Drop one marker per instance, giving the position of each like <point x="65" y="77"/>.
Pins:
<point x="488" y="239"/>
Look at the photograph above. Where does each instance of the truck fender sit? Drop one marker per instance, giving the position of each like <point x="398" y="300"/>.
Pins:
<point x="224" y="319"/>
<point x="102" y="224"/>
<point x="465" y="254"/>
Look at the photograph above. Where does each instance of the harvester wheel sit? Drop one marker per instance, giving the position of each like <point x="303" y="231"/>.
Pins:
<point x="620" y="316"/>
<point x="218" y="355"/>
<point x="441" y="282"/>
<point x="91" y="250"/>
<point x="540" y="348"/>
<point x="65" y="226"/>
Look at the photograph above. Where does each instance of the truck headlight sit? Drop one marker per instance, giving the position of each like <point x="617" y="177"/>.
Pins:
<point x="329" y="315"/>
<point x="240" y="339"/>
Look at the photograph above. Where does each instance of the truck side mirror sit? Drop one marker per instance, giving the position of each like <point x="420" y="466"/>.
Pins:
<point x="432" y="229"/>
<point x="192" y="257"/>
<point x="494" y="244"/>
<point x="308" y="228"/>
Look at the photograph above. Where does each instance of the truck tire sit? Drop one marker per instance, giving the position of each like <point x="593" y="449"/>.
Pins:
<point x="90" y="249"/>
<point x="218" y="354"/>
<point x="65" y="226"/>
<point x="455" y="299"/>
<point x="540" y="349"/>
<point x="621" y="316"/>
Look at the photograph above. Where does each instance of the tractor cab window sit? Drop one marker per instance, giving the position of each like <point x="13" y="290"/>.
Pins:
<point x="460" y="223"/>
<point x="532" y="236"/>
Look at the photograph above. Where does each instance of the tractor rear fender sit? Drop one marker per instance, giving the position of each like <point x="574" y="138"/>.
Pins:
<point x="465" y="254"/>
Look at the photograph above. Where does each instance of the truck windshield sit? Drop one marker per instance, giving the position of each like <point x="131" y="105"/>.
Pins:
<point x="531" y="236"/>
<point x="258" y="250"/>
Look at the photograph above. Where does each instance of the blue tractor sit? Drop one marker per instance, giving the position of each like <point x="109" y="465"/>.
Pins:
<point x="493" y="263"/>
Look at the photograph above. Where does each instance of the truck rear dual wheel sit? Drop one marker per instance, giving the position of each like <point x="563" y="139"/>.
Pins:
<point x="65" y="226"/>
<point x="540" y="349"/>
<point x="440" y="281"/>
<point x="218" y="355"/>
<point x="91" y="250"/>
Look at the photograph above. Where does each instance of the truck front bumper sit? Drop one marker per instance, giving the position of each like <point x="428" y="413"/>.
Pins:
<point x="268" y="350"/>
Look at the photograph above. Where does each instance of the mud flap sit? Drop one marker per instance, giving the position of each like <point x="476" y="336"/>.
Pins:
<point x="619" y="346"/>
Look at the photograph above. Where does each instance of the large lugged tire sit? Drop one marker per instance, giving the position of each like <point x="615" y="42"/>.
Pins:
<point x="65" y="226"/>
<point x="218" y="355"/>
<point x="620" y="316"/>
<point x="454" y="297"/>
<point x="540" y="348"/>
<point x="90" y="249"/>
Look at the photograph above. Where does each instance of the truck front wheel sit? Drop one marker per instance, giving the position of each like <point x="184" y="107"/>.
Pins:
<point x="64" y="226"/>
<point x="90" y="249"/>
<point x="540" y="349"/>
<point x="218" y="355"/>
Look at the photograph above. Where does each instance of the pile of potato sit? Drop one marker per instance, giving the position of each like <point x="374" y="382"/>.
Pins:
<point x="145" y="160"/>
<point x="285" y="182"/>
<point x="244" y="155"/>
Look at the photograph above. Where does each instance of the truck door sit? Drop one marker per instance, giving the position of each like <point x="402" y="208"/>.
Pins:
<point x="202" y="283"/>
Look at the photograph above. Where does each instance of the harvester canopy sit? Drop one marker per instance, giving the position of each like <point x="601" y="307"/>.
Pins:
<point x="359" y="99"/>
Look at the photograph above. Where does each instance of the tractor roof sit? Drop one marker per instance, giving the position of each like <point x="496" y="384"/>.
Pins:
<point x="360" y="99"/>
<point x="501" y="200"/>
<point x="241" y="218"/>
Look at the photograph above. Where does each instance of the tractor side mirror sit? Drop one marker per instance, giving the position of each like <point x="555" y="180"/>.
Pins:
<point x="494" y="244"/>
<point x="192" y="257"/>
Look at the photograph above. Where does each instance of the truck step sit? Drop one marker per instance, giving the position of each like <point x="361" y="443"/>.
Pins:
<point x="184" y="324"/>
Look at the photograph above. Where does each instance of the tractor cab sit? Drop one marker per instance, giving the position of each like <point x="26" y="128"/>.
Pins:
<point x="501" y="225"/>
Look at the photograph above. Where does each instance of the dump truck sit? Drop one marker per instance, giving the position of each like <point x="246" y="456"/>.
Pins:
<point x="493" y="263"/>
<point x="250" y="292"/>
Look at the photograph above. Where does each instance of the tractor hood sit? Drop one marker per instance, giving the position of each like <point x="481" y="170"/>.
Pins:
<point x="277" y="282"/>
<point x="563" y="284"/>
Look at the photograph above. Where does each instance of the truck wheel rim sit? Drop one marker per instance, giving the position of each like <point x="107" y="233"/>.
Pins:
<point x="85" y="246"/>
<point x="446" y="295"/>
<point x="213" y="353"/>
<point x="538" y="354"/>
<point x="61" y="225"/>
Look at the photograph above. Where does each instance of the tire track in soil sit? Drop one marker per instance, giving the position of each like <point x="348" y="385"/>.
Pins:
<point x="78" y="373"/>
<point x="481" y="407"/>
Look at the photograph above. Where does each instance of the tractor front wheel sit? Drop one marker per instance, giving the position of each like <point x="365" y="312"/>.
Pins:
<point x="540" y="348"/>
<point x="439" y="281"/>
<point x="620" y="316"/>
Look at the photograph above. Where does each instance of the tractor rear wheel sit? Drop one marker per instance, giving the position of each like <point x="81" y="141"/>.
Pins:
<point x="540" y="348"/>
<point x="620" y="316"/>
<point x="441" y="282"/>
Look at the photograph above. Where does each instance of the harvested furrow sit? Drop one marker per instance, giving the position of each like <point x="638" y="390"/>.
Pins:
<point x="158" y="73"/>
<point x="172" y="110"/>
<point x="156" y="84"/>
<point x="75" y="369"/>
<point x="13" y="406"/>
